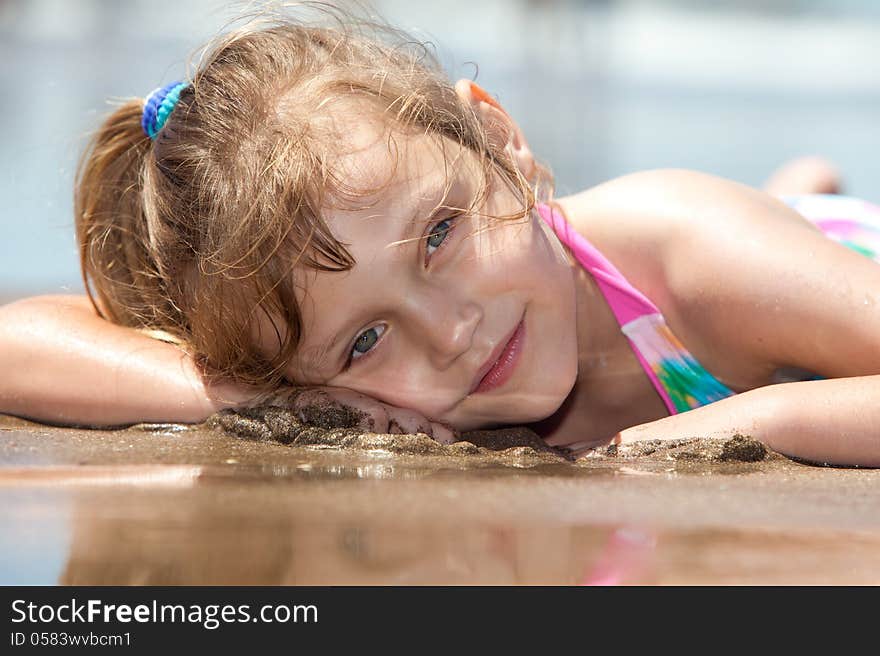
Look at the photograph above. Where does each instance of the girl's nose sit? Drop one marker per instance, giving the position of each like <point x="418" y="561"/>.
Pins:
<point x="445" y="325"/>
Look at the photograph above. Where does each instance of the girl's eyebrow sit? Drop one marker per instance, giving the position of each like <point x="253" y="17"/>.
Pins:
<point x="328" y="346"/>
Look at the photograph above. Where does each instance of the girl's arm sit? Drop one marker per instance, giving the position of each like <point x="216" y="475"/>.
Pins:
<point x="835" y="421"/>
<point x="62" y="363"/>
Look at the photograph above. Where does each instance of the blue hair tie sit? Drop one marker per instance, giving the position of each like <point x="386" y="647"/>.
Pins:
<point x="158" y="106"/>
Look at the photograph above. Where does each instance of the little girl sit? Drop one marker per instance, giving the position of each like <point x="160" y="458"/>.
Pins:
<point x="319" y="216"/>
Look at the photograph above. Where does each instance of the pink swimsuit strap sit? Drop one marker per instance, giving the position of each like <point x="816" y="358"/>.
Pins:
<point x="626" y="302"/>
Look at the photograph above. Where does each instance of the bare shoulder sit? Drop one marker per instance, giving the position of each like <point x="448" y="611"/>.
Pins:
<point x="643" y="221"/>
<point x="630" y="219"/>
<point x="745" y="282"/>
<point x="660" y="200"/>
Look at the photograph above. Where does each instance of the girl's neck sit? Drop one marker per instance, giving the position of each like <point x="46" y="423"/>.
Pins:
<point x="604" y="352"/>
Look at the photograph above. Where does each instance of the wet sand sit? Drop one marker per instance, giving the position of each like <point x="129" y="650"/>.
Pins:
<point x="230" y="503"/>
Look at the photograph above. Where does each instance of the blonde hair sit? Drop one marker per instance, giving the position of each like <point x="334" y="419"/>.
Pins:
<point x="190" y="235"/>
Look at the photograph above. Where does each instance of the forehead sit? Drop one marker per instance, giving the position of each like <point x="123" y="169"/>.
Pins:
<point x="379" y="161"/>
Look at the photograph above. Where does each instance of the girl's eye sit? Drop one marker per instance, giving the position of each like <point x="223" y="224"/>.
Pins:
<point x="438" y="235"/>
<point x="365" y="341"/>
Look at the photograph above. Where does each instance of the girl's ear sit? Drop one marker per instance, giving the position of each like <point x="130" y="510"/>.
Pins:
<point x="502" y="129"/>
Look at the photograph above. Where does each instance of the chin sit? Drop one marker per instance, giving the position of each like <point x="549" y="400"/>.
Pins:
<point x="524" y="407"/>
<point x="547" y="403"/>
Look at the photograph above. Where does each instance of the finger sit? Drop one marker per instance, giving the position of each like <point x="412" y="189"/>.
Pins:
<point x="402" y="420"/>
<point x="443" y="433"/>
<point x="373" y="415"/>
<point x="303" y="397"/>
<point x="335" y="407"/>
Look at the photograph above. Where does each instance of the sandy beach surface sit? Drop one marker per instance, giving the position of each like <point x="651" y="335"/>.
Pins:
<point x="231" y="503"/>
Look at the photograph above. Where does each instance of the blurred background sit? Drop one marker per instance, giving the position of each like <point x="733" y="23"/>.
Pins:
<point x="601" y="88"/>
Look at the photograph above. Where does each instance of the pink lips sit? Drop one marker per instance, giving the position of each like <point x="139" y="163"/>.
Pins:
<point x="498" y="369"/>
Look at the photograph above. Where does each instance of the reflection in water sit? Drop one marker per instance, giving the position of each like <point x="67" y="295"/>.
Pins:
<point x="627" y="555"/>
<point x="154" y="476"/>
<point x="231" y="526"/>
<point x="202" y="542"/>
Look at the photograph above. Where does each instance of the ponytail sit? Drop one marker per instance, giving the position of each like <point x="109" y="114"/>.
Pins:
<point x="120" y="274"/>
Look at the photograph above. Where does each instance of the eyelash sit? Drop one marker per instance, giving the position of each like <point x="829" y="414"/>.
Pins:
<point x="452" y="220"/>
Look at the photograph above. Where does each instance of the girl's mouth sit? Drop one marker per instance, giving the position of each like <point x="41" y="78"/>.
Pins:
<point x="503" y="365"/>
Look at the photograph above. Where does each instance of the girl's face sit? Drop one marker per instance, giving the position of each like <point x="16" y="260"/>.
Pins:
<point x="418" y="324"/>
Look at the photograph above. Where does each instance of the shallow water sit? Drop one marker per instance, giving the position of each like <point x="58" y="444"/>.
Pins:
<point x="161" y="505"/>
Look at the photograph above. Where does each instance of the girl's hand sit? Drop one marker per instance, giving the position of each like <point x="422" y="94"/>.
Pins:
<point x="685" y="425"/>
<point x="749" y="413"/>
<point x="339" y="407"/>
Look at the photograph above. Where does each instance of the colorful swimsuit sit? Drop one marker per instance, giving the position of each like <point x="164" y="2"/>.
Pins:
<point x="681" y="381"/>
